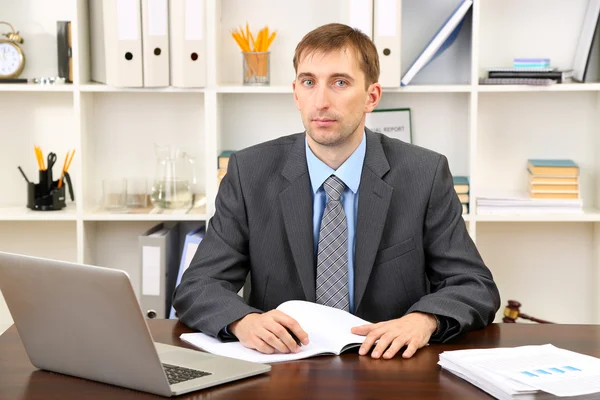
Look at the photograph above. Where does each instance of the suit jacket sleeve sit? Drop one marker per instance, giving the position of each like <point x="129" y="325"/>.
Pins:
<point x="207" y="298"/>
<point x="462" y="288"/>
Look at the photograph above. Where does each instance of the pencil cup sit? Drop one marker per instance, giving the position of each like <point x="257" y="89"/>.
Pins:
<point x="256" y="68"/>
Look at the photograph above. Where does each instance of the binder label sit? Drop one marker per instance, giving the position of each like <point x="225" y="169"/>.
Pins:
<point x="157" y="17"/>
<point x="128" y="14"/>
<point x="386" y="17"/>
<point x="194" y="19"/>
<point x="151" y="271"/>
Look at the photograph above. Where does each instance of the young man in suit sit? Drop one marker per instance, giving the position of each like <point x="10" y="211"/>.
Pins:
<point x="340" y="216"/>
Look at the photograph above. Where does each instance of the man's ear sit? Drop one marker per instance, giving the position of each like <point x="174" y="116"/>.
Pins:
<point x="295" y="95"/>
<point x="373" y="96"/>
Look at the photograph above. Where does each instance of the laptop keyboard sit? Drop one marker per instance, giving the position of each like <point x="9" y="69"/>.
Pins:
<point x="177" y="374"/>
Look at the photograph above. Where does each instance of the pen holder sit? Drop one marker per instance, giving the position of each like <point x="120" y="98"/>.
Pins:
<point x="46" y="195"/>
<point x="256" y="68"/>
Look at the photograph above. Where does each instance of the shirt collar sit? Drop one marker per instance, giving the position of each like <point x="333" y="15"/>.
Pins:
<point x="349" y="172"/>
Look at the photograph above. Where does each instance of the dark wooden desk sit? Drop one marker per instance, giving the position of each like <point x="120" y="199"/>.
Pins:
<point x="349" y="376"/>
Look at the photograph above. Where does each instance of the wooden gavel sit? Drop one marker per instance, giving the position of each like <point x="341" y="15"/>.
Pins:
<point x="511" y="313"/>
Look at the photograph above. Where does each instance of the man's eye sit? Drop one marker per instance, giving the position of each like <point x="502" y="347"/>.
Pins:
<point x="307" y="82"/>
<point x="340" y="83"/>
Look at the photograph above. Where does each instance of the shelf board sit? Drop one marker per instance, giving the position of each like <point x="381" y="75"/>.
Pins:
<point x="288" y="89"/>
<point x="588" y="215"/>
<point x="254" y="89"/>
<point x="195" y="214"/>
<point x="33" y="87"/>
<point x="465" y="88"/>
<point x="99" y="87"/>
<point x="560" y="87"/>
<point x="17" y="213"/>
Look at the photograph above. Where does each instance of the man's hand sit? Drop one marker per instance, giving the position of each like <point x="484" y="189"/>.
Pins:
<point x="412" y="330"/>
<point x="268" y="332"/>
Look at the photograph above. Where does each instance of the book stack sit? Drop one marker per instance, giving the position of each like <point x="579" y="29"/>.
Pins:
<point x="222" y="163"/>
<point x="553" y="179"/>
<point x="461" y="185"/>
<point x="527" y="71"/>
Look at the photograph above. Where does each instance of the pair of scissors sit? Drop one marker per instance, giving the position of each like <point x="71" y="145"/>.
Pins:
<point x="51" y="160"/>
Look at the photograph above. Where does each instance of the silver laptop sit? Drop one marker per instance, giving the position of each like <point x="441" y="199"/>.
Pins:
<point x="85" y="321"/>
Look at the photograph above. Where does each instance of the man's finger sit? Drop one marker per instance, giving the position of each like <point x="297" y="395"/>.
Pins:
<point x="293" y="326"/>
<point x="396" y="345"/>
<point x="384" y="341"/>
<point x="272" y="340"/>
<point x="363" y="330"/>
<point x="369" y="341"/>
<point x="261" y="346"/>
<point x="412" y="348"/>
<point x="283" y="334"/>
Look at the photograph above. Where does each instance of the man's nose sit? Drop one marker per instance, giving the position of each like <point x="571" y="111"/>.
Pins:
<point x="322" y="97"/>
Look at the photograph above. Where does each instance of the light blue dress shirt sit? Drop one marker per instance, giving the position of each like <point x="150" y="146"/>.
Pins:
<point x="349" y="172"/>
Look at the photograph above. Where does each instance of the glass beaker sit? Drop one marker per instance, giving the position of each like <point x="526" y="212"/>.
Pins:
<point x="171" y="188"/>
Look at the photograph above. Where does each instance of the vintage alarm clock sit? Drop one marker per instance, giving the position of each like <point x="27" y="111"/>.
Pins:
<point x="12" y="57"/>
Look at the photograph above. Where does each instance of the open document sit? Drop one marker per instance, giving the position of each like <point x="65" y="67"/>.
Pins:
<point x="527" y="372"/>
<point x="328" y="333"/>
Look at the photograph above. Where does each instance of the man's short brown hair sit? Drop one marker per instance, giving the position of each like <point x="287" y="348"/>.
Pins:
<point x="335" y="36"/>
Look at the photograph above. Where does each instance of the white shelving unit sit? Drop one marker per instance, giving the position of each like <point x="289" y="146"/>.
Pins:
<point x="550" y="263"/>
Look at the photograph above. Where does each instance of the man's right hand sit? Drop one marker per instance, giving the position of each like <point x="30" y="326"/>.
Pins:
<point x="268" y="332"/>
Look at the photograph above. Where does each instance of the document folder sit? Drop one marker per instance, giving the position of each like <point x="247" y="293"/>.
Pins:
<point x="359" y="15"/>
<point x="387" y="38"/>
<point x="155" y="42"/>
<point x="159" y="255"/>
<point x="192" y="241"/>
<point x="187" y="43"/>
<point x="116" y="42"/>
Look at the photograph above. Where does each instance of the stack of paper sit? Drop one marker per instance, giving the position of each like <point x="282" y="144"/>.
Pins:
<point x="527" y="372"/>
<point x="522" y="203"/>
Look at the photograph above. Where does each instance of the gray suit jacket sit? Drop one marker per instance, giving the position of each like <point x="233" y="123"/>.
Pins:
<point x="413" y="251"/>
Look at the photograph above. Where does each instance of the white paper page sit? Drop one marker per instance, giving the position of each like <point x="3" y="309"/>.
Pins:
<point x="237" y="350"/>
<point x="326" y="325"/>
<point x="461" y="361"/>
<point x="548" y="368"/>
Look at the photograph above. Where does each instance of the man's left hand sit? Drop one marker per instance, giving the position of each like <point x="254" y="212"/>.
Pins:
<point x="412" y="330"/>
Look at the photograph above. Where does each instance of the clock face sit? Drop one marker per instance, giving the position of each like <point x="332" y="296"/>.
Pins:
<point x="10" y="59"/>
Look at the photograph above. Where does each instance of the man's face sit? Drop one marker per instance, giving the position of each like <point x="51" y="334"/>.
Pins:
<point x="330" y="93"/>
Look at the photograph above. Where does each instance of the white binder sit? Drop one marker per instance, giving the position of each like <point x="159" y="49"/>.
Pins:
<point x="387" y="29"/>
<point x="187" y="43"/>
<point x="359" y="14"/>
<point x="116" y="42"/>
<point x="155" y="42"/>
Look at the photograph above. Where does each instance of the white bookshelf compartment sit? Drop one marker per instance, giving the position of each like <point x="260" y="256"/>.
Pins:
<point x="516" y="127"/>
<point x="43" y="119"/>
<point x="548" y="267"/>
<point x="291" y="23"/>
<point x="36" y="23"/>
<point x="440" y="122"/>
<point x="115" y="245"/>
<point x="421" y="19"/>
<point x="121" y="130"/>
<point x="515" y="28"/>
<point x="48" y="239"/>
<point x="246" y="120"/>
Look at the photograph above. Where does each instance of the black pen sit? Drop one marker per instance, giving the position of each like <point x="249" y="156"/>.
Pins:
<point x="23" y="173"/>
<point x="298" y="342"/>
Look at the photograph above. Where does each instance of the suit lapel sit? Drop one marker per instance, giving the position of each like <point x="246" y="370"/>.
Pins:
<point x="297" y="207"/>
<point x="373" y="203"/>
